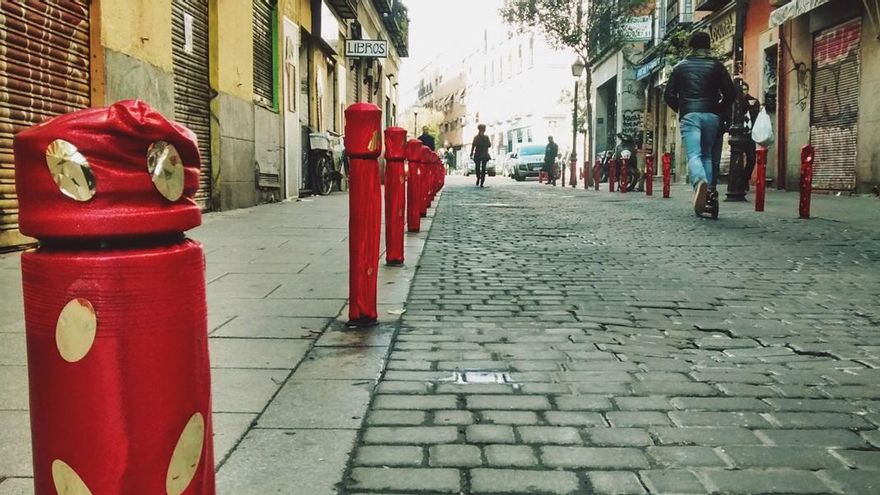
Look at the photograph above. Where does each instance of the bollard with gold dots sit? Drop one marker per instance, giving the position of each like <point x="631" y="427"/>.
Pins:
<point x="413" y="185"/>
<point x="395" y="194"/>
<point x="114" y="300"/>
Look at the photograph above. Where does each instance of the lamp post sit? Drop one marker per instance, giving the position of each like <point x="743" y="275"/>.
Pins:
<point x="577" y="70"/>
<point x="739" y="135"/>
<point x="416" y="123"/>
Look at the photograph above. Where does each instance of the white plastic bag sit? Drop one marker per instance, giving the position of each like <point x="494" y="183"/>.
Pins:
<point x="762" y="129"/>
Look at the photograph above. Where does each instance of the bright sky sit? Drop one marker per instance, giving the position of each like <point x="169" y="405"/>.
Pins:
<point x="446" y="30"/>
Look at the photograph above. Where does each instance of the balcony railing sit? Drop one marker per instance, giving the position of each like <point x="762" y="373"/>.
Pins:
<point x="345" y="9"/>
<point x="384" y="7"/>
<point x="397" y="24"/>
<point x="711" y="5"/>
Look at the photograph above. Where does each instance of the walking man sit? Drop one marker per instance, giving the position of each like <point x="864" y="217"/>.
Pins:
<point x="480" y="154"/>
<point x="550" y="154"/>
<point x="699" y="89"/>
<point x="427" y="139"/>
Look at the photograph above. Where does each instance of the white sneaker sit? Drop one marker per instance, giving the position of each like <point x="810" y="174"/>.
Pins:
<point x="701" y="192"/>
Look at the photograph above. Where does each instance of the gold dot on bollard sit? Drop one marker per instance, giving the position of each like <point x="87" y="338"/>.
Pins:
<point x="185" y="459"/>
<point x="374" y="142"/>
<point x="70" y="170"/>
<point x="75" y="329"/>
<point x="369" y="271"/>
<point x="67" y="482"/>
<point x="166" y="169"/>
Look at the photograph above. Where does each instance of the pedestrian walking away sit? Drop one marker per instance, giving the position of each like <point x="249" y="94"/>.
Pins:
<point x="700" y="89"/>
<point x="550" y="155"/>
<point x="427" y="139"/>
<point x="480" y="154"/>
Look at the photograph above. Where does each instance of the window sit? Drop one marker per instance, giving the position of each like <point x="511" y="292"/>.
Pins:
<point x="529" y="134"/>
<point x="264" y="48"/>
<point x="531" y="52"/>
<point x="519" y="135"/>
<point x="519" y="59"/>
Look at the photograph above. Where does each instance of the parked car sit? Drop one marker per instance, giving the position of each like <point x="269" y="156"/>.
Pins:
<point x="472" y="167"/>
<point x="528" y="161"/>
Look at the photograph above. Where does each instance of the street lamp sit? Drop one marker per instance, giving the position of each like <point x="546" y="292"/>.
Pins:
<point x="416" y="123"/>
<point x="577" y="70"/>
<point x="739" y="135"/>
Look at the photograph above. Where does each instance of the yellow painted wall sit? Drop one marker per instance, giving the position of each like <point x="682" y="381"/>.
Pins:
<point x="139" y="28"/>
<point x="232" y="47"/>
<point x="298" y="11"/>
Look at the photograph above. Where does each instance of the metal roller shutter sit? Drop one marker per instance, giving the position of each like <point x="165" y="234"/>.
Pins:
<point x="263" y="76"/>
<point x="192" y="87"/>
<point x="44" y="72"/>
<point x="835" y="108"/>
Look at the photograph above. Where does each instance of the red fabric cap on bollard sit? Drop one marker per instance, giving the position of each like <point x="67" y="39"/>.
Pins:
<point x="104" y="173"/>
<point x="120" y="386"/>
<point x="395" y="195"/>
<point x="363" y="131"/>
<point x="413" y="185"/>
<point x="425" y="180"/>
<point x="395" y="143"/>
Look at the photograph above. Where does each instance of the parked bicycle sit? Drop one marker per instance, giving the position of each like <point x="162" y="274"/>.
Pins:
<point x="328" y="163"/>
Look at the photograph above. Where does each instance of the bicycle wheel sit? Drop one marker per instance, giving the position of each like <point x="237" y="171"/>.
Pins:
<point x="323" y="175"/>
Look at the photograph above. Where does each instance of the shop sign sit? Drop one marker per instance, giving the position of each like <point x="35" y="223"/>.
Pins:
<point x="793" y="9"/>
<point x="721" y="32"/>
<point x="366" y="48"/>
<point x="640" y="28"/>
<point x="647" y="68"/>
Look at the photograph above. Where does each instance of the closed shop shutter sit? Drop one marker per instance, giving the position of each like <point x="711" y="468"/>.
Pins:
<point x="192" y="88"/>
<point x="44" y="72"/>
<point x="835" y="107"/>
<point x="263" y="75"/>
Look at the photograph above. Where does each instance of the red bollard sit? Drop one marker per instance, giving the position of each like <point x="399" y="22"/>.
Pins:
<point x="425" y="180"/>
<point x="114" y="303"/>
<point x="624" y="175"/>
<point x="667" y="173"/>
<point x="761" y="179"/>
<point x="597" y="174"/>
<point x="541" y="175"/>
<point x="807" y="155"/>
<point x="649" y="174"/>
<point x="612" y="175"/>
<point x="414" y="168"/>
<point x="395" y="195"/>
<point x="573" y="173"/>
<point x="363" y="144"/>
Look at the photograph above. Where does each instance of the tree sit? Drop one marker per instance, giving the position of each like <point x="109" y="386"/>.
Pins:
<point x="589" y="27"/>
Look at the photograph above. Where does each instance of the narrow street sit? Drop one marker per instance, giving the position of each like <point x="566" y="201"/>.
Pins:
<point x="561" y="341"/>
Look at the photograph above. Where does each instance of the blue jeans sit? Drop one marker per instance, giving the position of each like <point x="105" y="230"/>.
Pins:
<point x="699" y="131"/>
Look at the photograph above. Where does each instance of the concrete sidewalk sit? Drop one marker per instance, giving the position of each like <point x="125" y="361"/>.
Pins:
<point x="290" y="384"/>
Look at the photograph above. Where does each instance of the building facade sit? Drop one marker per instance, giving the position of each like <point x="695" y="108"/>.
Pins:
<point x="250" y="78"/>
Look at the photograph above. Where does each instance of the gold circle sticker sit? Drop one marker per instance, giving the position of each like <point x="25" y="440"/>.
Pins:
<point x="166" y="169"/>
<point x="75" y="329"/>
<point x="70" y="170"/>
<point x="67" y="482"/>
<point x="185" y="459"/>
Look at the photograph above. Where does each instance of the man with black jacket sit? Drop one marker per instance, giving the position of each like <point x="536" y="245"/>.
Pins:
<point x="700" y="90"/>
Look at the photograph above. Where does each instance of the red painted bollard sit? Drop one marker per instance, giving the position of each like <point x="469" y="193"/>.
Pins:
<point x="649" y="174"/>
<point x="395" y="195"/>
<point x="624" y="175"/>
<point x="667" y="173"/>
<point x="414" y="168"/>
<point x="807" y="155"/>
<point x="573" y="173"/>
<point x="541" y="175"/>
<point x="425" y="180"/>
<point x="597" y="174"/>
<point x="363" y="144"/>
<point x="761" y="178"/>
<point x="114" y="303"/>
<point x="612" y="175"/>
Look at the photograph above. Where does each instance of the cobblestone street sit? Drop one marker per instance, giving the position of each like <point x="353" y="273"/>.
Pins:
<point x="561" y="341"/>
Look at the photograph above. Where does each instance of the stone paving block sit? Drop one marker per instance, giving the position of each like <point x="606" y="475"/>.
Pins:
<point x="672" y="481"/>
<point x="593" y="458"/>
<point x="317" y="404"/>
<point x="402" y="388"/>
<point x="440" y="480"/>
<point x="415" y="402"/>
<point x="15" y="444"/>
<point x="387" y="417"/>
<point x="510" y="417"/>
<point x="257" y="353"/>
<point x="751" y="481"/>
<point x="768" y="457"/>
<point x="453" y="417"/>
<point x="851" y="481"/>
<point x="454" y="456"/>
<point x="510" y="455"/>
<point x="819" y="420"/>
<point x="861" y="459"/>
<point x="719" y="404"/>
<point x="813" y="405"/>
<point x="627" y="419"/>
<point x="342" y="363"/>
<point x="558" y="435"/>
<point x="686" y="457"/>
<point x="708" y="436"/>
<point x="692" y="418"/>
<point x="653" y="387"/>
<point x="398" y="455"/>
<point x="17" y="486"/>
<point x="819" y="438"/>
<point x="524" y="482"/>
<point x="617" y="437"/>
<point x="410" y="434"/>
<point x="229" y="428"/>
<point x="655" y="403"/>
<point x="615" y="483"/>
<point x="508" y="402"/>
<point x="573" y="418"/>
<point x="489" y="434"/>
<point x="583" y="403"/>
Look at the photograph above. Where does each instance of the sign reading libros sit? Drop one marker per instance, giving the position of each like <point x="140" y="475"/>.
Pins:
<point x="366" y="48"/>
